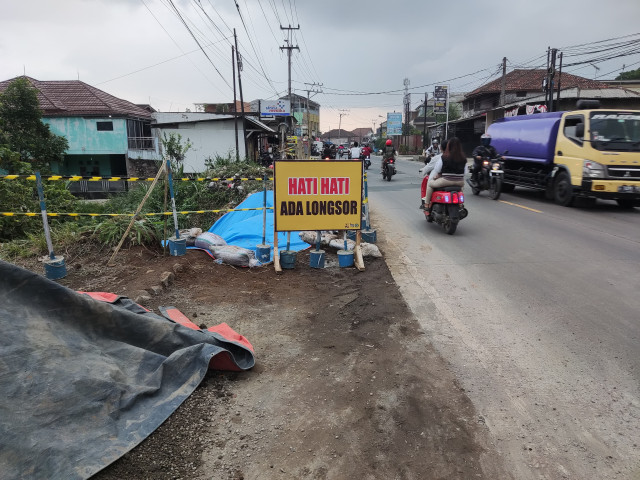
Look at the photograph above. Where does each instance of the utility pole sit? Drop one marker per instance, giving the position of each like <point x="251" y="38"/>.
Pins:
<point x="309" y="91"/>
<point x="551" y="74"/>
<point x="340" y="122"/>
<point x="559" y="80"/>
<point x="235" y="116"/>
<point x="289" y="47"/>
<point x="424" y="125"/>
<point x="407" y="108"/>
<point x="503" y="89"/>
<point x="235" y="108"/>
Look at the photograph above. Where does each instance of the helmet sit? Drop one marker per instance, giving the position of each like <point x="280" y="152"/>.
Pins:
<point x="435" y="142"/>
<point x="388" y="142"/>
<point x="485" y="139"/>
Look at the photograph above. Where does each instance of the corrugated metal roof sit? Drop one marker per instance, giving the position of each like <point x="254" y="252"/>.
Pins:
<point x="65" y="98"/>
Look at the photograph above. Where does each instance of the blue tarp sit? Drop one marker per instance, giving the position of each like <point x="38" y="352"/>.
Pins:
<point x="244" y="229"/>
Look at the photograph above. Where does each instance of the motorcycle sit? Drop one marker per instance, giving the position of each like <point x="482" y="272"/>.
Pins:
<point x="366" y="159"/>
<point x="447" y="208"/>
<point x="388" y="169"/>
<point x="265" y="158"/>
<point x="490" y="177"/>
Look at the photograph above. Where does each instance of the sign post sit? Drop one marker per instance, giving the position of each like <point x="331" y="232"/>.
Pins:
<point x="441" y="104"/>
<point x="317" y="195"/>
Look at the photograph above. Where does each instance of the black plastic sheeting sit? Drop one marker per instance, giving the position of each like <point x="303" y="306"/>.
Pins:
<point x="82" y="382"/>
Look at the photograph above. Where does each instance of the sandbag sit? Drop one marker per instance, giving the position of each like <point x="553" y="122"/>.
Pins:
<point x="233" y="255"/>
<point x="190" y="234"/>
<point x="311" y="237"/>
<point x="207" y="239"/>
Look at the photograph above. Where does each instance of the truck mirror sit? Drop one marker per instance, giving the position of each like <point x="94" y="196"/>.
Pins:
<point x="580" y="130"/>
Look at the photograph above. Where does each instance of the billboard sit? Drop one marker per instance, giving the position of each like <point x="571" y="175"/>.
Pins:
<point x="317" y="195"/>
<point x="275" y="108"/>
<point x="440" y="96"/>
<point x="394" y="124"/>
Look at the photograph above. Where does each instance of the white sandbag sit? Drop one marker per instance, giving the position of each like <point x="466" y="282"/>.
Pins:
<point x="370" y="250"/>
<point x="311" y="236"/>
<point x="190" y="234"/>
<point x="338" y="244"/>
<point x="234" y="255"/>
<point x="207" y="239"/>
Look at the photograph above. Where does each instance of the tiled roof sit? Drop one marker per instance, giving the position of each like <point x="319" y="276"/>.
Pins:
<point x="531" y="80"/>
<point x="64" y="98"/>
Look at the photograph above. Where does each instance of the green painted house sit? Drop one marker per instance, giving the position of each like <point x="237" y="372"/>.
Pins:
<point x="107" y="136"/>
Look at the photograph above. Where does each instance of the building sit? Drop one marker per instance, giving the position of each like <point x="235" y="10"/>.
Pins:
<point x="106" y="134"/>
<point x="523" y="95"/>
<point x="306" y="114"/>
<point x="211" y="135"/>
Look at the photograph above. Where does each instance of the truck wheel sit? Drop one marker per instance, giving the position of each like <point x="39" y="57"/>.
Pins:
<point x="495" y="188"/>
<point x="625" y="203"/>
<point x="508" y="187"/>
<point x="562" y="190"/>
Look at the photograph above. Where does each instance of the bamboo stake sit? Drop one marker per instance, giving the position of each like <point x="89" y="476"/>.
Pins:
<point x="133" y="219"/>
<point x="164" y="233"/>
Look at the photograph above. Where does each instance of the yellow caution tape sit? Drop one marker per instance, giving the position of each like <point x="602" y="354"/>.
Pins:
<point x="182" y="212"/>
<point x="77" y="178"/>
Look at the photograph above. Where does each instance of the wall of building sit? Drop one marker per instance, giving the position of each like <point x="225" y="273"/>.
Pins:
<point x="85" y="138"/>
<point x="208" y="140"/>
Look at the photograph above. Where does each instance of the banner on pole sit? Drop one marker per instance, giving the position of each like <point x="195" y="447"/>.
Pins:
<point x="317" y="195"/>
<point x="440" y="98"/>
<point x="394" y="124"/>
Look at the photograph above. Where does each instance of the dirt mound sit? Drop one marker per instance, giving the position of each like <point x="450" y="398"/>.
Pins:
<point x="346" y="384"/>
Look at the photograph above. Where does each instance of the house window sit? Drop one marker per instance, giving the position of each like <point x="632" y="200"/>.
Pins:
<point x="104" y="126"/>
<point x="521" y="94"/>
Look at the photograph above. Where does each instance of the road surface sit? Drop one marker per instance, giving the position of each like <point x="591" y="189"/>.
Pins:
<point x="537" y="309"/>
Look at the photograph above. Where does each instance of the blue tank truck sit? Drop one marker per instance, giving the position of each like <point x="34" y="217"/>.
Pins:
<point x="588" y="153"/>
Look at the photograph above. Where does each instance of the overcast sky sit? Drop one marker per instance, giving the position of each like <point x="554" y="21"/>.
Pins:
<point x="141" y="51"/>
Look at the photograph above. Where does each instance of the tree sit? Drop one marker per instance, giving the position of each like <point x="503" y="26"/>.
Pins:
<point x="22" y="130"/>
<point x="174" y="150"/>
<point x="631" y="75"/>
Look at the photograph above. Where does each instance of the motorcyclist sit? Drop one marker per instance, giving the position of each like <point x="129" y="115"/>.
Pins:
<point x="389" y="152"/>
<point x="328" y="151"/>
<point x="426" y="171"/>
<point x="485" y="150"/>
<point x="434" y="149"/>
<point x="366" y="151"/>
<point x="355" y="151"/>
<point x="449" y="171"/>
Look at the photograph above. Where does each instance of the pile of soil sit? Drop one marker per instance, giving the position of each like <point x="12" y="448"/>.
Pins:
<point x="346" y="384"/>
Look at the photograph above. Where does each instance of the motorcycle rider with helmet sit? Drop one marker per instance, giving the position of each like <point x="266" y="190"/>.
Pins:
<point x="434" y="149"/>
<point x="389" y="152"/>
<point x="480" y="152"/>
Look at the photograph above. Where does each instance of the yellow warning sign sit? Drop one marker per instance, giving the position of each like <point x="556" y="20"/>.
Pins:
<point x="317" y="195"/>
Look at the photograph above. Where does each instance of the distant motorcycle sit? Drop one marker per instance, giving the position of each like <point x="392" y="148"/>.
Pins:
<point x="388" y="169"/>
<point x="490" y="177"/>
<point x="447" y="208"/>
<point x="366" y="159"/>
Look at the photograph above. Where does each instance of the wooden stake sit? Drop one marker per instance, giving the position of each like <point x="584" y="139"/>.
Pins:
<point x="357" y="251"/>
<point x="133" y="219"/>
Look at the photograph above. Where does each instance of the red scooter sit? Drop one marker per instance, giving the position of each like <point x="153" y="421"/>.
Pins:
<point x="447" y="207"/>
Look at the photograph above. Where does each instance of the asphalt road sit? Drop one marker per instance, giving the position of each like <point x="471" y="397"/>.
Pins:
<point x="537" y="309"/>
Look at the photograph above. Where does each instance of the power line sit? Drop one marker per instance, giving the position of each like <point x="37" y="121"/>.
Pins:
<point x="196" y="40"/>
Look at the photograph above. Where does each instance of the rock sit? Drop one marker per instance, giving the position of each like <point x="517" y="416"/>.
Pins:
<point x="167" y="278"/>
<point x="156" y="289"/>
<point x="140" y="296"/>
<point x="177" y="268"/>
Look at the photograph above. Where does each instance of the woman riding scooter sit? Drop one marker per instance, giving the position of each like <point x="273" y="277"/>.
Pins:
<point x="449" y="172"/>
